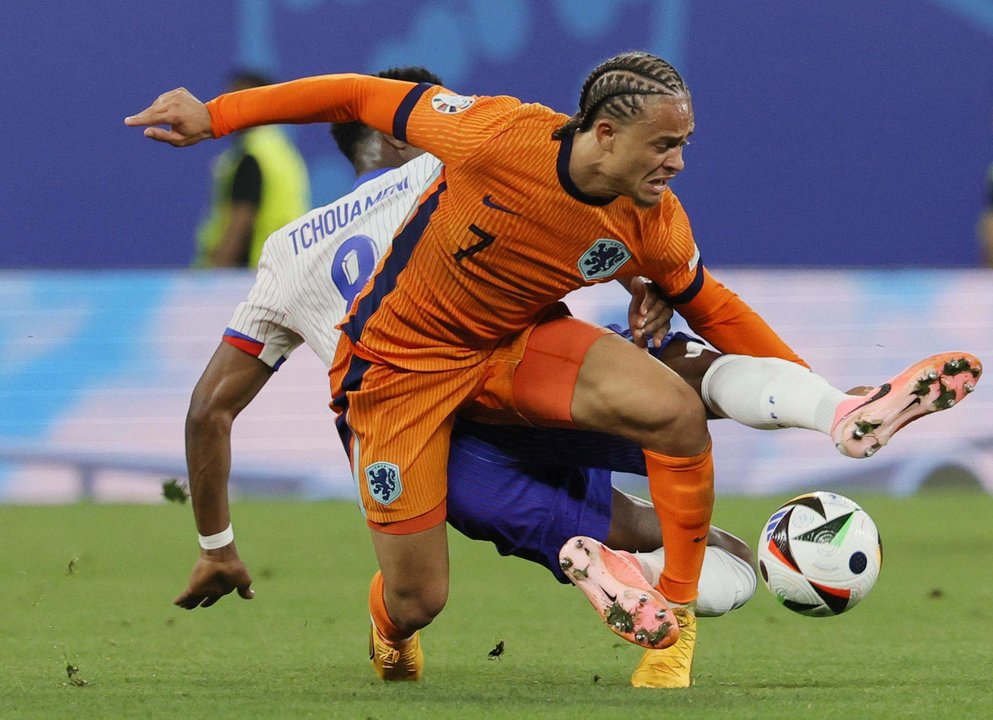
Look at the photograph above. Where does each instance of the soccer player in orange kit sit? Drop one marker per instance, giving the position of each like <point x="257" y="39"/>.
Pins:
<point x="462" y="311"/>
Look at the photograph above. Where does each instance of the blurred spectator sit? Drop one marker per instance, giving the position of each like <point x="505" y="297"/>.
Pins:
<point x="986" y="223"/>
<point x="260" y="183"/>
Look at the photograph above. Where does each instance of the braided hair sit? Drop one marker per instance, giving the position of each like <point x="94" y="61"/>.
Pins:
<point x="618" y="88"/>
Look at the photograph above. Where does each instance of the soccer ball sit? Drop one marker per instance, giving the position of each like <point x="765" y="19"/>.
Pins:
<point x="820" y="554"/>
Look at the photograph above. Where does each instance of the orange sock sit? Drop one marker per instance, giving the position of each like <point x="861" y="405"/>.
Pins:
<point x="380" y="617"/>
<point x="682" y="490"/>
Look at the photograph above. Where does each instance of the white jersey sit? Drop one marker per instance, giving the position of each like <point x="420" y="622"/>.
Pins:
<point x="311" y="269"/>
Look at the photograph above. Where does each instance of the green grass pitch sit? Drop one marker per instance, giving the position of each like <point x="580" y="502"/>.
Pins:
<point x="90" y="587"/>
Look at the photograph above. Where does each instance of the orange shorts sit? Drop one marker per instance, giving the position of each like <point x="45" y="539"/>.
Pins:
<point x="397" y="425"/>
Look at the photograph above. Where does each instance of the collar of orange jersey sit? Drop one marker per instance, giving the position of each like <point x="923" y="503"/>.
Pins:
<point x="565" y="179"/>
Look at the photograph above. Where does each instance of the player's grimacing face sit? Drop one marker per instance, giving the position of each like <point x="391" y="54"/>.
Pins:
<point x="647" y="151"/>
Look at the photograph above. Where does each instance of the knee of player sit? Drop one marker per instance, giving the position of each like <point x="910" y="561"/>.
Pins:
<point x="662" y="407"/>
<point x="207" y="411"/>
<point x="679" y="424"/>
<point x="688" y="410"/>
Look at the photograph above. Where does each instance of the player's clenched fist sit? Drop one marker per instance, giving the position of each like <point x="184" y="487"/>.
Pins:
<point x="187" y="118"/>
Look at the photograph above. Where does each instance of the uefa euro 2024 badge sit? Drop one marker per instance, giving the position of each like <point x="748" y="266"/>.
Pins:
<point x="450" y="104"/>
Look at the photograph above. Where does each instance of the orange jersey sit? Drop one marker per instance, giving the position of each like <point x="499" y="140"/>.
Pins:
<point x="503" y="234"/>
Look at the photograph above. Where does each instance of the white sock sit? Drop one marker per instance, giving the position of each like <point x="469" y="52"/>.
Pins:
<point x="770" y="393"/>
<point x="726" y="581"/>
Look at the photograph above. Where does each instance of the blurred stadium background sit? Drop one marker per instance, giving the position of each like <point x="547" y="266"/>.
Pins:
<point x="835" y="180"/>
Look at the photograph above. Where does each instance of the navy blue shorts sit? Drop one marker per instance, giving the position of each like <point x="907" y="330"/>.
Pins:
<point x="525" y="510"/>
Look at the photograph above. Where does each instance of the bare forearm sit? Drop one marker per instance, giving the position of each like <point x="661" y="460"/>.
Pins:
<point x="230" y="382"/>
<point x="208" y="459"/>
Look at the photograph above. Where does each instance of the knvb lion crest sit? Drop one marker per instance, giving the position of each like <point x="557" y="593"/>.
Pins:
<point x="603" y="259"/>
<point x="383" y="481"/>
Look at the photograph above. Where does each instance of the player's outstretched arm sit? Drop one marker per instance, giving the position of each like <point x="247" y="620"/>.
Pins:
<point x="215" y="574"/>
<point x="188" y="119"/>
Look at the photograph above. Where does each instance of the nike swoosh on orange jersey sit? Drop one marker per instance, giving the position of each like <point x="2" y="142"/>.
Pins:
<point x="489" y="202"/>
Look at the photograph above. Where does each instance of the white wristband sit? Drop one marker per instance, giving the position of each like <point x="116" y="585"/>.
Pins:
<point x="218" y="540"/>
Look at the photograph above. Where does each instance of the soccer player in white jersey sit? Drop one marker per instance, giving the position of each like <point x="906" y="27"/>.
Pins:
<point x="504" y="484"/>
